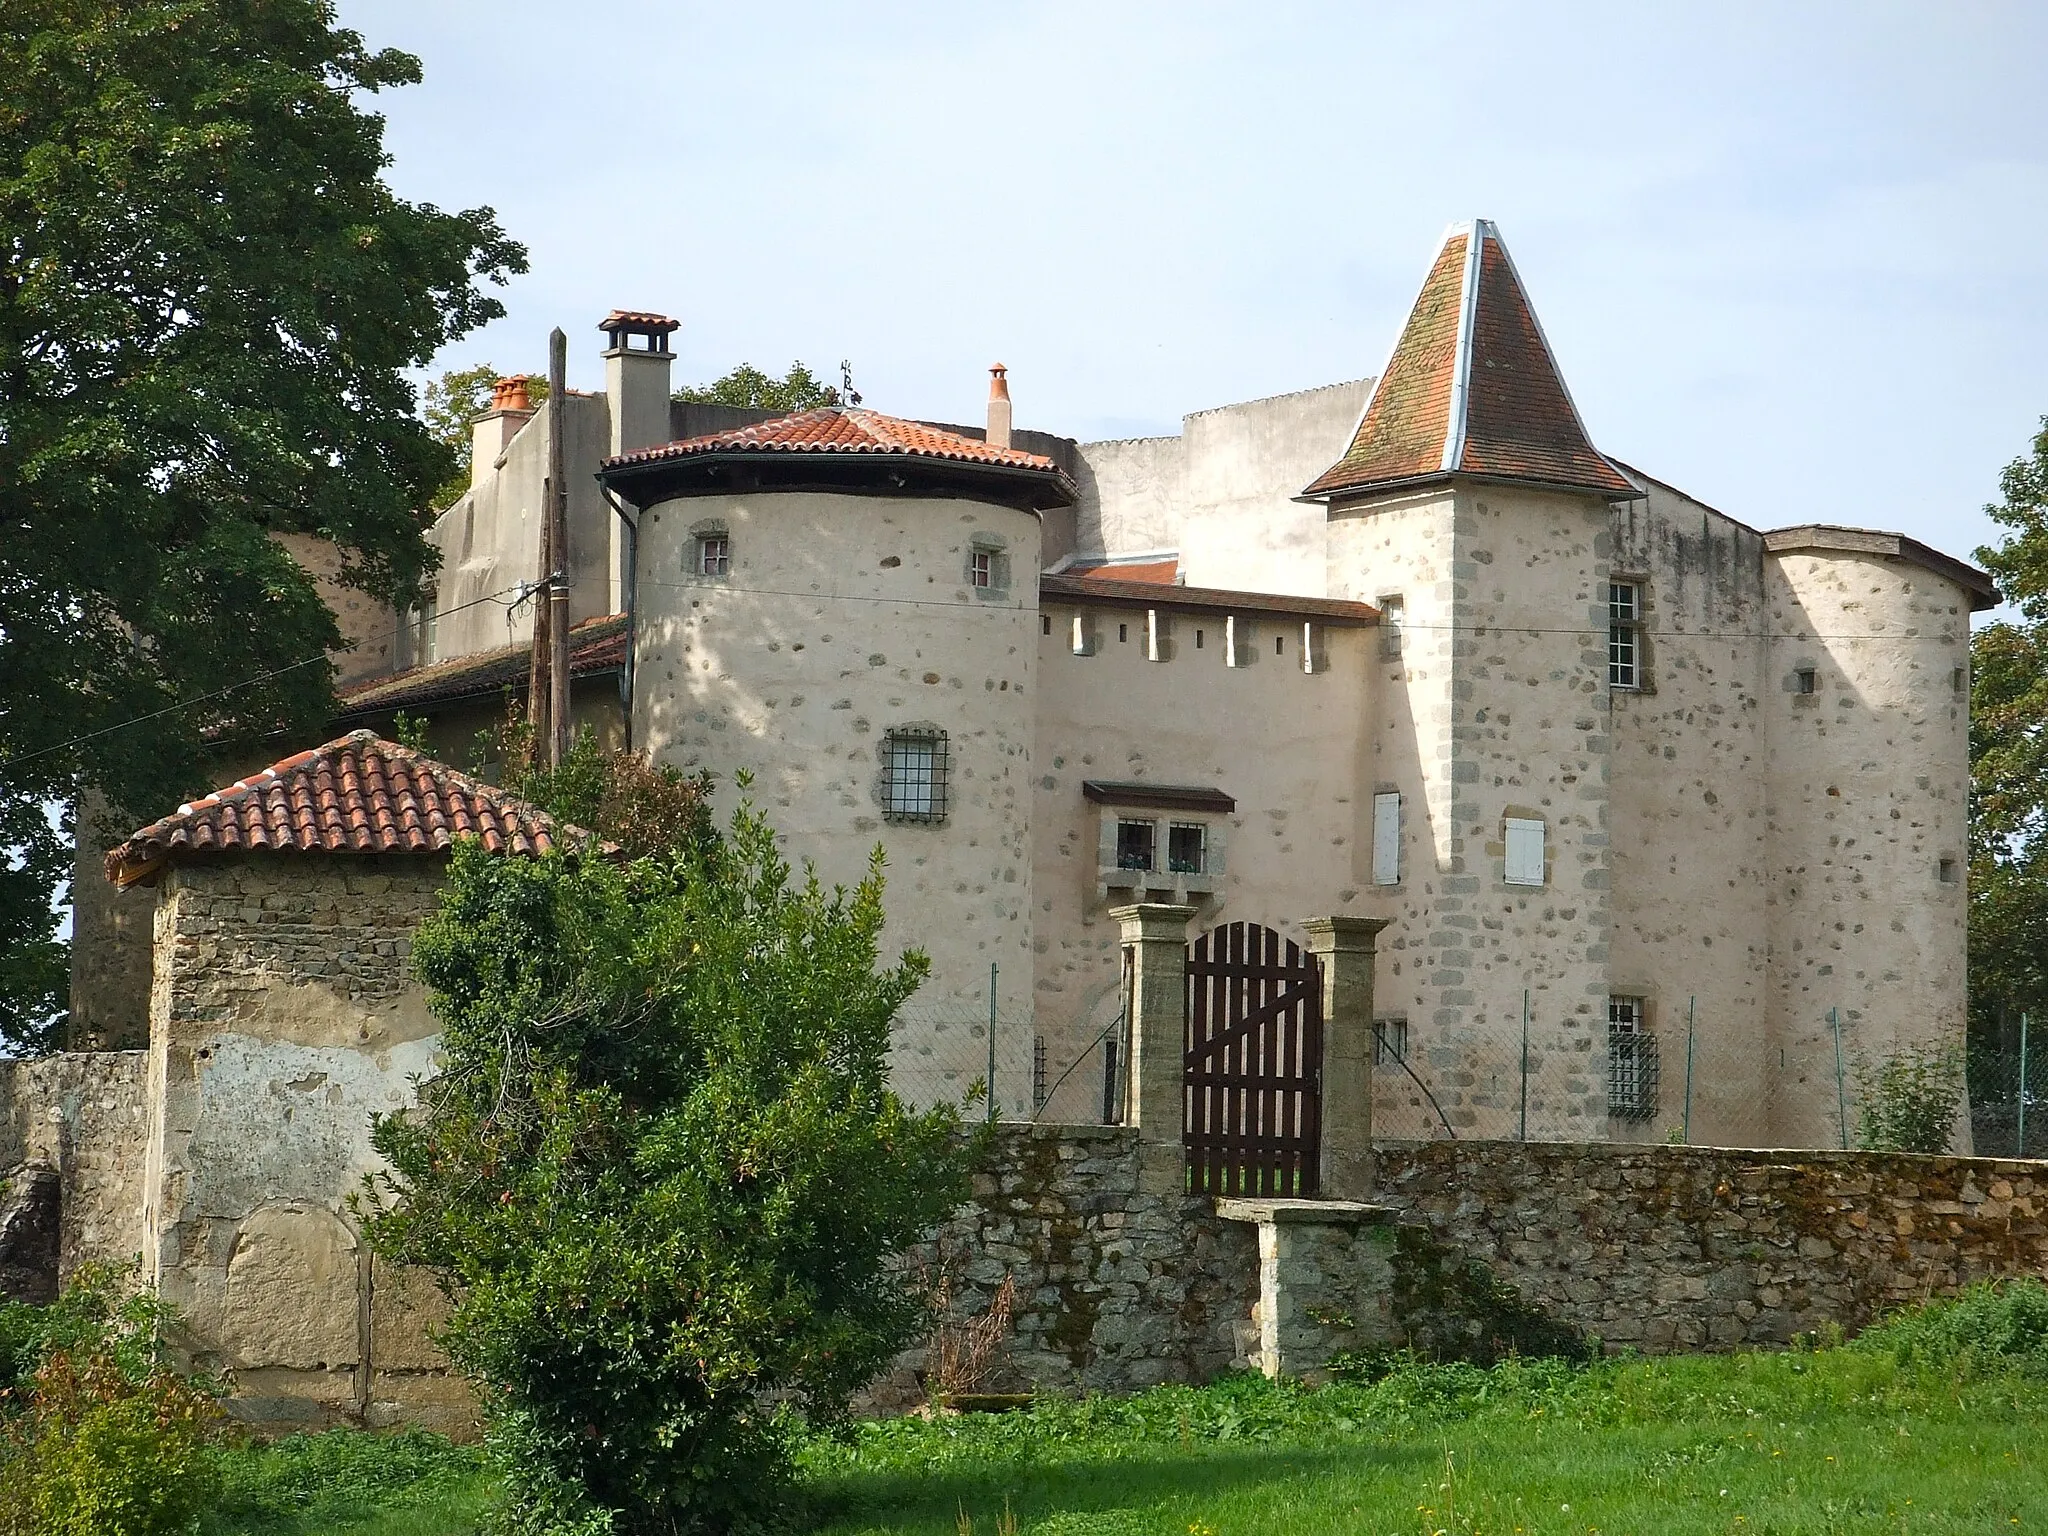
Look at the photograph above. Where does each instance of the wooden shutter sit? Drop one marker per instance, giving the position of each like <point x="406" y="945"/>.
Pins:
<point x="1525" y="861"/>
<point x="1386" y="838"/>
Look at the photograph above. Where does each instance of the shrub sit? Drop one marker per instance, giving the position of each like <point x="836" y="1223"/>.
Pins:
<point x="1908" y="1101"/>
<point x="660" y="1173"/>
<point x="98" y="1435"/>
<point x="1985" y="1330"/>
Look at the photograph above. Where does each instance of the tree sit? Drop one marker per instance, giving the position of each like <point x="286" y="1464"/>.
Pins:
<point x="209" y="304"/>
<point x="2009" y="762"/>
<point x="748" y="386"/>
<point x="451" y="405"/>
<point x="660" y="1174"/>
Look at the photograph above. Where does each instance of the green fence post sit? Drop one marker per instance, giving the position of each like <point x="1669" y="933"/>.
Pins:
<point x="1691" y="1004"/>
<point x="992" y="1042"/>
<point x="1841" y="1088"/>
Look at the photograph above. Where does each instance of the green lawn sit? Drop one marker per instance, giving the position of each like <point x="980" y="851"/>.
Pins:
<point x="1936" y="1424"/>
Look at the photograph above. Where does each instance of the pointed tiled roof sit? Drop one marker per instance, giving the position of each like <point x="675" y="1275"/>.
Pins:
<point x="356" y="794"/>
<point x="1472" y="388"/>
<point x="845" y="436"/>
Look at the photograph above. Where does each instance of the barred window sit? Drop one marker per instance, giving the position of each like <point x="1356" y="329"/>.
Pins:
<point x="1389" y="1041"/>
<point x="1624" y="635"/>
<point x="1135" y="842"/>
<point x="914" y="776"/>
<point x="714" y="554"/>
<point x="1631" y="1061"/>
<point x="1187" y="848"/>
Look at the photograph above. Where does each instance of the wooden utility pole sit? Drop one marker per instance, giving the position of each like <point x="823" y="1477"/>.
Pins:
<point x="558" y="545"/>
<point x="539" y="688"/>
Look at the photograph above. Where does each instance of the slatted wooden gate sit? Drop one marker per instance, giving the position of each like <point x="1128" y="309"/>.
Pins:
<point x="1254" y="1064"/>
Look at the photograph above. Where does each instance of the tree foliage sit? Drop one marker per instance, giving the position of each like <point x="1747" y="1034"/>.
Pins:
<point x="748" y="386"/>
<point x="2009" y="761"/>
<point x="209" y="304"/>
<point x="661" y="1174"/>
<point x="450" y="406"/>
<point x="646" y="809"/>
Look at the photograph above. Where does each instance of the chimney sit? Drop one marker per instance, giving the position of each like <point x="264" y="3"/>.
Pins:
<point x="636" y="381"/>
<point x="489" y="433"/>
<point x="998" y="407"/>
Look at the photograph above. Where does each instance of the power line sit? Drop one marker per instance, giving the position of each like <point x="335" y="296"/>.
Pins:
<point x="523" y="589"/>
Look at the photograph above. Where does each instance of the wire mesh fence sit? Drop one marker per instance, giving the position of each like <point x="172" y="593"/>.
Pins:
<point x="2009" y="1097"/>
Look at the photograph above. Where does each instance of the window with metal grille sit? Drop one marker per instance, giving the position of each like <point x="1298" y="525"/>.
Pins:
<point x="1631" y="1061"/>
<point x="1187" y="847"/>
<point x="714" y="554"/>
<point x="914" y="776"/>
<point x="1135" y="841"/>
<point x="1389" y="1041"/>
<point x="1624" y="635"/>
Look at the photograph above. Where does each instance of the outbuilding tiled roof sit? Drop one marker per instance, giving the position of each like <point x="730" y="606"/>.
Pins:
<point x="1472" y="388"/>
<point x="843" y="429"/>
<point x="595" y="646"/>
<point x="356" y="794"/>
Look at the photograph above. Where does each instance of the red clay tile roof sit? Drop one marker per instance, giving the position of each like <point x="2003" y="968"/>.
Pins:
<point x="1472" y="388"/>
<point x="1151" y="594"/>
<point x="1166" y="571"/>
<point x="638" y="319"/>
<point x="356" y="794"/>
<point x="595" y="646"/>
<point x="844" y="429"/>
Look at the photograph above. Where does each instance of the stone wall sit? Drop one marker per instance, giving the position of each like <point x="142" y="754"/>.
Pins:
<point x="83" y="1114"/>
<point x="1668" y="1249"/>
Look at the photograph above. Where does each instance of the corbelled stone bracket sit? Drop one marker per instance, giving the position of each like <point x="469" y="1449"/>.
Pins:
<point x="1325" y="1280"/>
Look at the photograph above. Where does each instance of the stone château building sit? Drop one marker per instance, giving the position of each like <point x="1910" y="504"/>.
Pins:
<point x="1610" y="762"/>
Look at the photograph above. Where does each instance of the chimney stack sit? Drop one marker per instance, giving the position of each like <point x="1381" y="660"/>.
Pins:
<point x="489" y="433"/>
<point x="998" y="407"/>
<point x="636" y="381"/>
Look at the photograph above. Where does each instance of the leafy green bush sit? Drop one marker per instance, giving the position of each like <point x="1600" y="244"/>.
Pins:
<point x="1909" y="1101"/>
<point x="1986" y="1330"/>
<point x="661" y="1174"/>
<point x="98" y="1435"/>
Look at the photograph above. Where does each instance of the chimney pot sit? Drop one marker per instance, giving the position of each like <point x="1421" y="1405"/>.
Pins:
<point x="509" y="394"/>
<point x="998" y="435"/>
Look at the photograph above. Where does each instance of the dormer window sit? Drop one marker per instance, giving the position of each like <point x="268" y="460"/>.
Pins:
<point x="714" y="554"/>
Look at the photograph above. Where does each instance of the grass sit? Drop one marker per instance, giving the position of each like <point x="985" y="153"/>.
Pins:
<point x="1935" y="1423"/>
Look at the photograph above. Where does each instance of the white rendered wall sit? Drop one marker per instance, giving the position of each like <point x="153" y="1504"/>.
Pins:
<point x="844" y="617"/>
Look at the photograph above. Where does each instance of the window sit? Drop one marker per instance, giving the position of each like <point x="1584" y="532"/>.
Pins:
<point x="1389" y="1041"/>
<point x="1187" y="847"/>
<point x="1045" y="623"/>
<point x="1123" y="633"/>
<point x="1805" y="680"/>
<point x="1279" y="645"/>
<point x="1624" y="635"/>
<point x="1386" y="837"/>
<point x="981" y="568"/>
<point x="914" y="776"/>
<point x="1525" y="852"/>
<point x="714" y="554"/>
<point x="1631" y="1061"/>
<point x="987" y="571"/>
<point x="1957" y="677"/>
<point x="1198" y="639"/>
<point x="1134" y="844"/>
<point x="1949" y="870"/>
<point x="1038" y="1071"/>
<point x="1393" y="609"/>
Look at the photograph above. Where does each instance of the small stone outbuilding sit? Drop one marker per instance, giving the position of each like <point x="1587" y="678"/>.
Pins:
<point x="283" y="1014"/>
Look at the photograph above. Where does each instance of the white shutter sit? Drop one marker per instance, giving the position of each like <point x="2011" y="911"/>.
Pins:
<point x="1524" y="851"/>
<point x="1386" y="838"/>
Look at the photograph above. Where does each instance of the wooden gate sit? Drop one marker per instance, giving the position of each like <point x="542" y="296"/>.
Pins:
<point x="1254" y="1064"/>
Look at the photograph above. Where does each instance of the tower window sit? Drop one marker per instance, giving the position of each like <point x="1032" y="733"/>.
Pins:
<point x="914" y="775"/>
<point x="1805" y="680"/>
<point x="714" y="554"/>
<point x="1624" y="635"/>
<point x="1135" y="842"/>
<point x="1187" y="848"/>
<point x="1123" y="633"/>
<point x="1631" y="1061"/>
<point x="981" y="568"/>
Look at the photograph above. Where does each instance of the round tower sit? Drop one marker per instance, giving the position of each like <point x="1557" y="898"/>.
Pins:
<point x="844" y="606"/>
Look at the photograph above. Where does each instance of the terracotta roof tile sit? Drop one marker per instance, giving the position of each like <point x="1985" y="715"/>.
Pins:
<point x="1472" y="388"/>
<point x="356" y="794"/>
<point x="595" y="646"/>
<point x="844" y="429"/>
<point x="1165" y="571"/>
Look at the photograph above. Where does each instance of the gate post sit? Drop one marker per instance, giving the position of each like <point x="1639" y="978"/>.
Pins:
<point x="1344" y="947"/>
<point x="1155" y="940"/>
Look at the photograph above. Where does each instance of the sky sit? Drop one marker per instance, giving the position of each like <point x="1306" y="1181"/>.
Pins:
<point x="1793" y="258"/>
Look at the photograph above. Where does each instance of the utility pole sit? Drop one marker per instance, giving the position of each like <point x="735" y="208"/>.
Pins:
<point x="558" y="548"/>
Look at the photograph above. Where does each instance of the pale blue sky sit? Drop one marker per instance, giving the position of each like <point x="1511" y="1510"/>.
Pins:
<point x="1792" y="257"/>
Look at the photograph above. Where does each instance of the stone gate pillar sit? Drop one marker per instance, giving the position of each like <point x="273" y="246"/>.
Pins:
<point x="1344" y="947"/>
<point x="1155" y="940"/>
